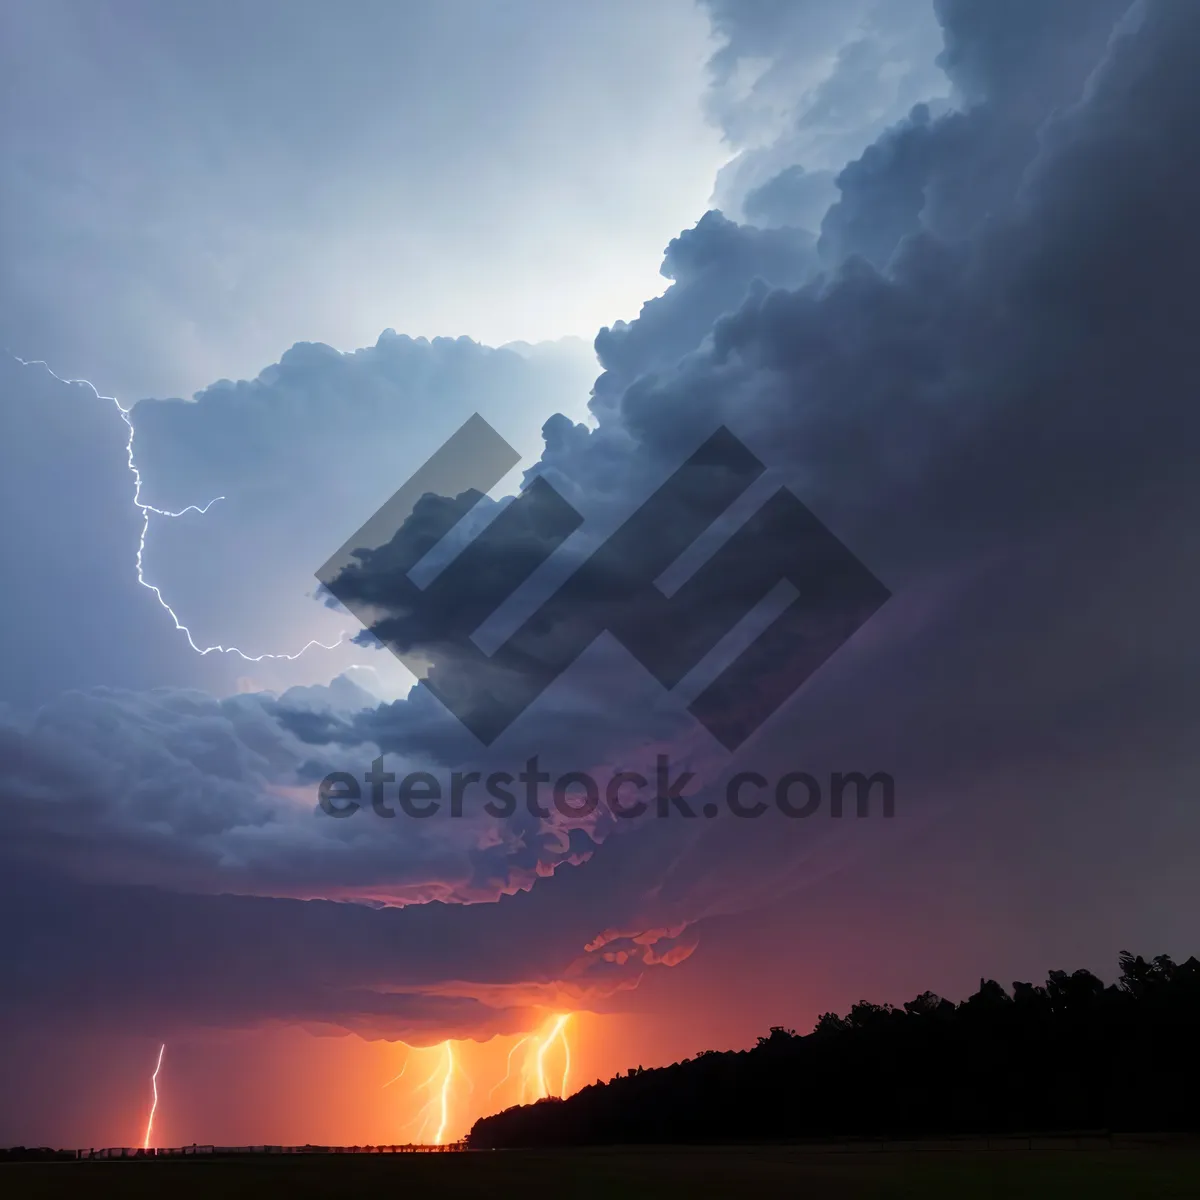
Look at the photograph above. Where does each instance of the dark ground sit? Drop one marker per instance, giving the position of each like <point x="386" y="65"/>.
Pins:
<point x="931" y="1174"/>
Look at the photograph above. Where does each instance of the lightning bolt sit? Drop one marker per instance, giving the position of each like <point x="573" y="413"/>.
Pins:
<point x="441" y="1133"/>
<point x="544" y="1044"/>
<point x="400" y="1076"/>
<point x="566" y="1045"/>
<point x="537" y="1046"/>
<point x="508" y="1069"/>
<point x="147" y="510"/>
<point x="436" y="1110"/>
<point x="154" y="1103"/>
<point x="535" y="1053"/>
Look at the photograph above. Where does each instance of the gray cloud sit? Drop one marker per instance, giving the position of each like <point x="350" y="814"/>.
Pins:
<point x="794" y="197"/>
<point x="177" y="789"/>
<point x="962" y="419"/>
<point x="70" y="540"/>
<point x="182" y="201"/>
<point x="811" y="84"/>
<point x="1012" y="69"/>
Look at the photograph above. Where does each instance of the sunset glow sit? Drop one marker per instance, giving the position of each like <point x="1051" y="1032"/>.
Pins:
<point x="536" y="1065"/>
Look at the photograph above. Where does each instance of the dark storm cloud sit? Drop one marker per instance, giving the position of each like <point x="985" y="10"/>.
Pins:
<point x="141" y="958"/>
<point x="1012" y="67"/>
<point x="179" y="790"/>
<point x="974" y="415"/>
<point x="1023" y="54"/>
<point x="711" y="266"/>
<point x="988" y="397"/>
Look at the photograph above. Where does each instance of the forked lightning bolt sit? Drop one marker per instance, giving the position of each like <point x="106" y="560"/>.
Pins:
<point x="435" y="1112"/>
<point x="547" y="1040"/>
<point x="146" y="511"/>
<point x="508" y="1071"/>
<point x="533" y="1072"/>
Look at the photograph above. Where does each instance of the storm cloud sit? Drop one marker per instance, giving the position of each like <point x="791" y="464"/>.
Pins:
<point x="980" y="378"/>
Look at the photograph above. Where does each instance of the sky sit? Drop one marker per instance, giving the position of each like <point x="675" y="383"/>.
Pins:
<point x="931" y="262"/>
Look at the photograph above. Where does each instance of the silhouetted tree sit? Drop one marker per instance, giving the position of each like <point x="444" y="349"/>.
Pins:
<point x="778" y="1034"/>
<point x="1069" y="1054"/>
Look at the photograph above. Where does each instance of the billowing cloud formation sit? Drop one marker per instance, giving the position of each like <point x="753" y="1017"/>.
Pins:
<point x="986" y="394"/>
<point x="1011" y="68"/>
<point x="303" y="454"/>
<point x="954" y="400"/>
<point x="807" y="86"/>
<point x="298" y="456"/>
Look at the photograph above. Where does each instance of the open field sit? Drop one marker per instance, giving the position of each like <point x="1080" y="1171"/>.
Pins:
<point x="1168" y="1171"/>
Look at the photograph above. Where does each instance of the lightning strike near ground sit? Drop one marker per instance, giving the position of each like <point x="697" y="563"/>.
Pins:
<point x="534" y="1053"/>
<point x="508" y="1070"/>
<point x="556" y="1034"/>
<point x="147" y="510"/>
<point x="154" y="1102"/>
<point x="434" y="1114"/>
<point x="440" y="1136"/>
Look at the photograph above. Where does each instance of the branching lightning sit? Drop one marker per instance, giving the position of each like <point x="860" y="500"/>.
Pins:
<point x="154" y="1102"/>
<point x="147" y="510"/>
<point x="435" y="1112"/>
<point x="534" y="1068"/>
<point x="508" y="1070"/>
<point x="399" y="1076"/>
<point x="545" y="1041"/>
<point x="531" y="1061"/>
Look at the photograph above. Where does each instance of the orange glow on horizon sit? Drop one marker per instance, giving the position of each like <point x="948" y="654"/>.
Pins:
<point x="154" y="1103"/>
<point x="289" y="1085"/>
<point x="531" y="1063"/>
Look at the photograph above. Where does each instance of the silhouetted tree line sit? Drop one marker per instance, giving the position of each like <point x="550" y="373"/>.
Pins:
<point x="33" y="1154"/>
<point x="1072" y="1054"/>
